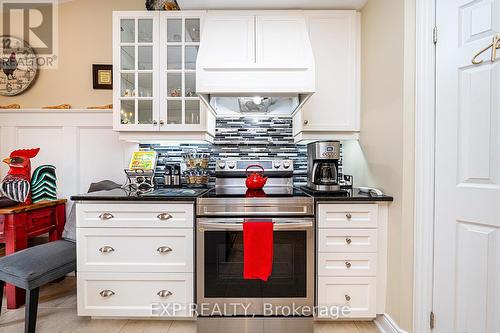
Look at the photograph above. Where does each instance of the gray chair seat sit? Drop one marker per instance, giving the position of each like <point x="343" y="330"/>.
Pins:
<point x="38" y="265"/>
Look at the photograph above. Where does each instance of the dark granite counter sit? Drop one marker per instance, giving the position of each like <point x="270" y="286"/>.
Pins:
<point x="180" y="194"/>
<point x="353" y="195"/>
<point x="190" y="194"/>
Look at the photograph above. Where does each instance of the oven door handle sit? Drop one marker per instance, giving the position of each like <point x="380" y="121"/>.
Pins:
<point x="239" y="226"/>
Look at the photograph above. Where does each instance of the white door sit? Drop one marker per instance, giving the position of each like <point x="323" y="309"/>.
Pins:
<point x="467" y="227"/>
<point x="228" y="40"/>
<point x="280" y="39"/>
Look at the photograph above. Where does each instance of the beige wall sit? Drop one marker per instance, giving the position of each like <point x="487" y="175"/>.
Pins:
<point x="85" y="38"/>
<point x="384" y="156"/>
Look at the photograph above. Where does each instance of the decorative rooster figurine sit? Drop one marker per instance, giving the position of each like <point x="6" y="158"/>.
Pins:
<point x="16" y="185"/>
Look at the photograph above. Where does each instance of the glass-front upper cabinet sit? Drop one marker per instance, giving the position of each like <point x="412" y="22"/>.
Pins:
<point x="180" y="107"/>
<point x="135" y="71"/>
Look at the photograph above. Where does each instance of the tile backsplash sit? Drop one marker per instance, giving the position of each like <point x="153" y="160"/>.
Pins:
<point x="244" y="138"/>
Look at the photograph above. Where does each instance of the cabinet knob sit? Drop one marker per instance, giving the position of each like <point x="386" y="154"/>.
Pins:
<point x="348" y="216"/>
<point x="162" y="122"/>
<point x="155" y="122"/>
<point x="306" y="122"/>
<point x="164" y="293"/>
<point x="347" y="297"/>
<point x="107" y="293"/>
<point x="106" y="216"/>
<point x="164" y="216"/>
<point x="348" y="240"/>
<point x="106" y="249"/>
<point x="347" y="264"/>
<point x="164" y="249"/>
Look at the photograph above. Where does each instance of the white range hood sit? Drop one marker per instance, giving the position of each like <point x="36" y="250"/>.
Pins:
<point x="258" y="62"/>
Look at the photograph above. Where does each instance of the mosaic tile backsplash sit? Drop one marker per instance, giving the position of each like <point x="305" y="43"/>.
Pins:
<point x="243" y="138"/>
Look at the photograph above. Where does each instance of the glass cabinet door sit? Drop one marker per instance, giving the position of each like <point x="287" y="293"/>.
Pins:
<point x="180" y="41"/>
<point x="135" y="94"/>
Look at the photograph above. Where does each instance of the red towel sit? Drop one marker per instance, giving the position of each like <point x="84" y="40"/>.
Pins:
<point x="257" y="250"/>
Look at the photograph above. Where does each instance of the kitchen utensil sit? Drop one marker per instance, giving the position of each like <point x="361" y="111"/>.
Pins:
<point x="255" y="181"/>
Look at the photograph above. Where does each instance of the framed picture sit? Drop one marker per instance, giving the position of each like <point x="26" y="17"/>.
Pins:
<point x="102" y="76"/>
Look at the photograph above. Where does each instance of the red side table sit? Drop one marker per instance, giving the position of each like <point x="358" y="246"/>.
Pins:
<point x="20" y="223"/>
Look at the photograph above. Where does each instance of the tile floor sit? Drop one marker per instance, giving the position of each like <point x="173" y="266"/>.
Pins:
<point x="57" y="314"/>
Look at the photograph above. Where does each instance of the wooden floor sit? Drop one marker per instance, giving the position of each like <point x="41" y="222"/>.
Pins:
<point x="57" y="314"/>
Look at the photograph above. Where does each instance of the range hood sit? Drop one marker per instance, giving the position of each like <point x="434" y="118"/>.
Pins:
<point x="255" y="62"/>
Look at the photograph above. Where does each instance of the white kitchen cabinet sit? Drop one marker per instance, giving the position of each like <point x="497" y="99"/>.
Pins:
<point x="135" y="71"/>
<point x="280" y="39"/>
<point x="352" y="258"/>
<point x="255" y="39"/>
<point x="333" y="111"/>
<point x="230" y="37"/>
<point x="357" y="293"/>
<point x="255" y="52"/>
<point x="131" y="256"/>
<point x="132" y="250"/>
<point x="154" y="57"/>
<point x="147" y="295"/>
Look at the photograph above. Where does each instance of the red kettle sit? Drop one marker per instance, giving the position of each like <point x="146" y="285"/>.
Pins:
<point x="255" y="181"/>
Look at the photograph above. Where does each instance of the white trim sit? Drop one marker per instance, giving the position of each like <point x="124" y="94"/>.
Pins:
<point x="425" y="107"/>
<point x="385" y="324"/>
<point x="25" y="111"/>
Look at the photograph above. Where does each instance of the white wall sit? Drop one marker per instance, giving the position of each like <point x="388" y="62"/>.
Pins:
<point x="80" y="143"/>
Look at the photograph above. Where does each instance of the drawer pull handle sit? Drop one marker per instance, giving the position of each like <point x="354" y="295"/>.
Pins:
<point x="348" y="240"/>
<point x="106" y="216"/>
<point x="347" y="298"/>
<point x="348" y="216"/>
<point x="106" y="249"/>
<point x="164" y="293"/>
<point x="164" y="216"/>
<point x="164" y="249"/>
<point x="347" y="264"/>
<point x="107" y="293"/>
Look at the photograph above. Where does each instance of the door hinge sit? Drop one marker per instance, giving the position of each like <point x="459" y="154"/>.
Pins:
<point x="435" y="35"/>
<point x="431" y="320"/>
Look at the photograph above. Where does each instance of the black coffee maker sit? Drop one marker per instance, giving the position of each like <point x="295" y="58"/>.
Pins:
<point x="323" y="166"/>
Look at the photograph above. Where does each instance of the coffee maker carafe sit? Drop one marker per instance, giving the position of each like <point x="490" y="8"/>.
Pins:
<point x="322" y="165"/>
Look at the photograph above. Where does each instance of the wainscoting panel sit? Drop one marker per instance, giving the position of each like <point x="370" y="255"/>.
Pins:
<point x="80" y="143"/>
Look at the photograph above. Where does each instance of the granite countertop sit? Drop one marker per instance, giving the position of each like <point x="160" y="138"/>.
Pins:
<point x="352" y="195"/>
<point x="187" y="194"/>
<point x="124" y="195"/>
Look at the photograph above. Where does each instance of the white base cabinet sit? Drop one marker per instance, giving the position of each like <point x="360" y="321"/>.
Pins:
<point x="135" y="259"/>
<point x="134" y="294"/>
<point x="351" y="258"/>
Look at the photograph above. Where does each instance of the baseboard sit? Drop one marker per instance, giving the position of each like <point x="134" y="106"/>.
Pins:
<point x="386" y="325"/>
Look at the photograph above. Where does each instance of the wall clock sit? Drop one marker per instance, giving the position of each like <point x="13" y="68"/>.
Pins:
<point x="18" y="66"/>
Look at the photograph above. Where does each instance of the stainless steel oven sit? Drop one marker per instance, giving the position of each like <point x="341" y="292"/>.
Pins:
<point x="220" y="283"/>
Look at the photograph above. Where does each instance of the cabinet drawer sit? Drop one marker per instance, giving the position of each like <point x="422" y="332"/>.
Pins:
<point x="136" y="250"/>
<point x="356" y="292"/>
<point x="347" y="240"/>
<point x="134" y="294"/>
<point x="347" y="264"/>
<point x="40" y="220"/>
<point x="135" y="215"/>
<point x="347" y="215"/>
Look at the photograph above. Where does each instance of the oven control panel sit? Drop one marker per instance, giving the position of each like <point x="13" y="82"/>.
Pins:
<point x="232" y="165"/>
